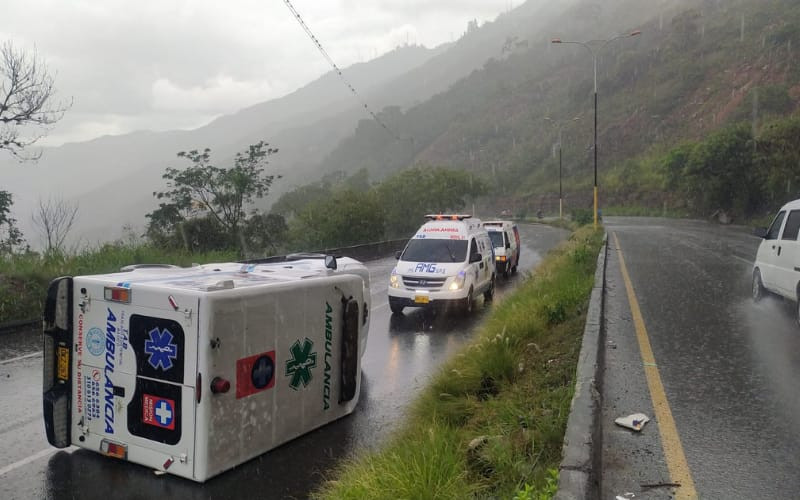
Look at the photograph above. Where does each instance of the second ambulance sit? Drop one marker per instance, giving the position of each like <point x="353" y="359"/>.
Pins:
<point x="449" y="262"/>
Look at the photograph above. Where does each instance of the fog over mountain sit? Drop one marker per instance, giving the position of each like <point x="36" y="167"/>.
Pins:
<point x="433" y="98"/>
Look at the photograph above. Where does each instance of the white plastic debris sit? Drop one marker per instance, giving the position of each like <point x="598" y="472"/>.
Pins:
<point x="634" y="422"/>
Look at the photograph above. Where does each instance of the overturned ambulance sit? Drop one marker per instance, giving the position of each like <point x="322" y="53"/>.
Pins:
<point x="195" y="370"/>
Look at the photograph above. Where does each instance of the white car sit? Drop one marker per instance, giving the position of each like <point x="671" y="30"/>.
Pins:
<point x="777" y="265"/>
<point x="449" y="261"/>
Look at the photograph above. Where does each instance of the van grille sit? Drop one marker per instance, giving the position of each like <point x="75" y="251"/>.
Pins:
<point x="423" y="282"/>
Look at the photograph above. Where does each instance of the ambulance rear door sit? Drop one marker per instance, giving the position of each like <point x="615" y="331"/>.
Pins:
<point x="138" y="374"/>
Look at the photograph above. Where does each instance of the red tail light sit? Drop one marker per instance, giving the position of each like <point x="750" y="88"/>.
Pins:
<point x="220" y="385"/>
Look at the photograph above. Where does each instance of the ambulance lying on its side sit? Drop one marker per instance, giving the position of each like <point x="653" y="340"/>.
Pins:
<point x="196" y="370"/>
<point x="450" y="261"/>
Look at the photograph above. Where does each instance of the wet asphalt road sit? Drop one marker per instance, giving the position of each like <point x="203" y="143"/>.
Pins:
<point x="729" y="367"/>
<point x="402" y="352"/>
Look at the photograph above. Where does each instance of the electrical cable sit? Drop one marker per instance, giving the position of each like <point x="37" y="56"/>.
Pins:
<point x="337" y="70"/>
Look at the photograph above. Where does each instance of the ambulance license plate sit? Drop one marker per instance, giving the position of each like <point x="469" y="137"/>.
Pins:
<point x="63" y="363"/>
<point x="422" y="299"/>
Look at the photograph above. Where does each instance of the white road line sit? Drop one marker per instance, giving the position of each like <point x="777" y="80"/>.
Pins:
<point x="6" y="361"/>
<point x="36" y="456"/>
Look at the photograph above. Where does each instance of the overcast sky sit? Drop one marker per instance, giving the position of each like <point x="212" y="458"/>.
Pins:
<point x="177" y="64"/>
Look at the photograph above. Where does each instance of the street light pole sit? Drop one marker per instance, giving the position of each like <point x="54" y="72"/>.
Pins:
<point x="560" y="193"/>
<point x="588" y="46"/>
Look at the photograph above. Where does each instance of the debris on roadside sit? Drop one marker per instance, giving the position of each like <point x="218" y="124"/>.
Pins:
<point x="660" y="485"/>
<point x="626" y="496"/>
<point x="634" y="422"/>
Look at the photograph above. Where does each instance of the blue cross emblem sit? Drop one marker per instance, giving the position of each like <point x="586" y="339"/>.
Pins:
<point x="262" y="372"/>
<point x="160" y="348"/>
<point x="164" y="413"/>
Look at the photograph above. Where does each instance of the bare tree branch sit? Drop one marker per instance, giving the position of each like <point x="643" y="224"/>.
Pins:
<point x="53" y="219"/>
<point x="27" y="107"/>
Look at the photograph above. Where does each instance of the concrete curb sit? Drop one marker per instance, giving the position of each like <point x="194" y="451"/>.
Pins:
<point x="579" y="466"/>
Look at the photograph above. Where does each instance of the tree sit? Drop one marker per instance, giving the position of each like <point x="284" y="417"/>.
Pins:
<point x="420" y="190"/>
<point x="10" y="235"/>
<point x="347" y="217"/>
<point x="26" y="100"/>
<point x="53" y="219"/>
<point x="221" y="194"/>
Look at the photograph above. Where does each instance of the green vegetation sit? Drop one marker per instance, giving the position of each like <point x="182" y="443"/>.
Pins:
<point x="491" y="423"/>
<point x="730" y="170"/>
<point x="24" y="277"/>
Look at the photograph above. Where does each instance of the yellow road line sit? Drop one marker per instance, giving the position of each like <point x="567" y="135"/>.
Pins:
<point x="670" y="440"/>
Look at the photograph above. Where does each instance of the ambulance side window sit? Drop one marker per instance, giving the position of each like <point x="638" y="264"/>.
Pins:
<point x="473" y="249"/>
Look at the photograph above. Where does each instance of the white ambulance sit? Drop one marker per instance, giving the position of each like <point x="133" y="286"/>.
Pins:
<point x="505" y="239"/>
<point x="195" y="370"/>
<point x="449" y="261"/>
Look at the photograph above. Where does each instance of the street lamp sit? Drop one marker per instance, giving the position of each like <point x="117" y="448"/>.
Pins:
<point x="559" y="126"/>
<point x="600" y="44"/>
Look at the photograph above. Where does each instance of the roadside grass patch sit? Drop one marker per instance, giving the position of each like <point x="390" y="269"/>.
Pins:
<point x="24" y="278"/>
<point x="491" y="423"/>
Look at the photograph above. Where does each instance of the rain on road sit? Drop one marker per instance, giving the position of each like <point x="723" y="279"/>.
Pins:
<point x="728" y="366"/>
<point x="402" y="352"/>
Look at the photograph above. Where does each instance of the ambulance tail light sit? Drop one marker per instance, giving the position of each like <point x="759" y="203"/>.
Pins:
<point x="501" y="258"/>
<point x="117" y="294"/>
<point x="220" y="386"/>
<point x="112" y="449"/>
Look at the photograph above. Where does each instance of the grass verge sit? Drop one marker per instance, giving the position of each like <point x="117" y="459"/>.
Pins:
<point x="491" y="422"/>
<point x="24" y="278"/>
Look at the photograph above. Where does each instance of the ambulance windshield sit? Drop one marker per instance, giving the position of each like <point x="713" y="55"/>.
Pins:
<point x="497" y="239"/>
<point x="425" y="250"/>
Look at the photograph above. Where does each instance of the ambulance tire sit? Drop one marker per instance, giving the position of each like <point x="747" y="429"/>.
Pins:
<point x="488" y="295"/>
<point x="466" y="305"/>
<point x="505" y="272"/>
<point x="396" y="306"/>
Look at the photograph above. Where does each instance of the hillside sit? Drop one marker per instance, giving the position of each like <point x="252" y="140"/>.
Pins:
<point x="305" y="125"/>
<point x="696" y="67"/>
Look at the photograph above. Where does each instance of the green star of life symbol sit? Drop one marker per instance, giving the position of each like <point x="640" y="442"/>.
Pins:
<point x="300" y="365"/>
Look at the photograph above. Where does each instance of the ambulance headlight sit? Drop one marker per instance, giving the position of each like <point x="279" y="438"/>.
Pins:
<point x="394" y="279"/>
<point x="458" y="282"/>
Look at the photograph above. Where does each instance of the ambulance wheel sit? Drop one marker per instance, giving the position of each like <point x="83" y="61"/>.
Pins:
<point x="466" y="306"/>
<point x="758" y="286"/>
<point x="396" y="306"/>
<point x="505" y="272"/>
<point x="488" y="295"/>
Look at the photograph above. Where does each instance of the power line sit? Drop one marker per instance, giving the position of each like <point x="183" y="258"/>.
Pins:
<point x="336" y="68"/>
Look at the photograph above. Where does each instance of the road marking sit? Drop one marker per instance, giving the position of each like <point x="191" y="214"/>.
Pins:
<point x="748" y="262"/>
<point x="6" y="361"/>
<point x="36" y="456"/>
<point x="670" y="440"/>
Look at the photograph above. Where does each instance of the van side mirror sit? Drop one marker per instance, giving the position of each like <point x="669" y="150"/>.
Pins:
<point x="476" y="257"/>
<point x="760" y="232"/>
<point x="397" y="254"/>
<point x="508" y="244"/>
<point x="330" y="262"/>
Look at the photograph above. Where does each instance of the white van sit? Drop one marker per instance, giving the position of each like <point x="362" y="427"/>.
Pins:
<point x="505" y="239"/>
<point x="193" y="371"/>
<point x="449" y="261"/>
<point x="777" y="265"/>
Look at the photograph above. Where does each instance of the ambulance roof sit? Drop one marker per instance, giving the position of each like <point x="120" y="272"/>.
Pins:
<point x="220" y="276"/>
<point x="446" y="228"/>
